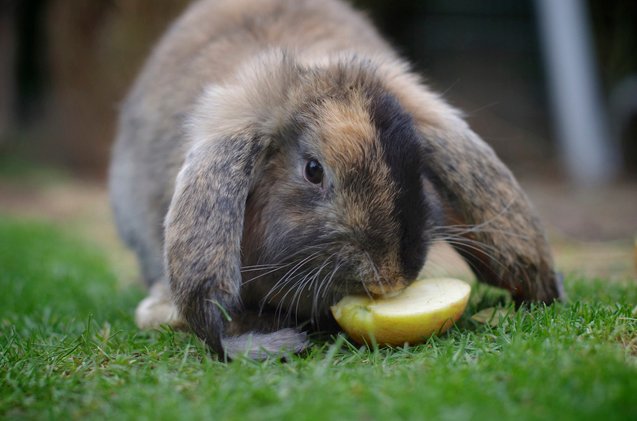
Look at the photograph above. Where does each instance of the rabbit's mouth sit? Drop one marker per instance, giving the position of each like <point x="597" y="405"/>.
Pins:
<point x="376" y="288"/>
<point x="387" y="287"/>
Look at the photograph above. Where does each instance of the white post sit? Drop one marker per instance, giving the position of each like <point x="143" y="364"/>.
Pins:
<point x="588" y="150"/>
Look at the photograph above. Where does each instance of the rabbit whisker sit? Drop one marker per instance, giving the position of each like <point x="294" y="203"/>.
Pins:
<point x="287" y="278"/>
<point x="324" y="286"/>
<point x="482" y="248"/>
<point x="315" y="285"/>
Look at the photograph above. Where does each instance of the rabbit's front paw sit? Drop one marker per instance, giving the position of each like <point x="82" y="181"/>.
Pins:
<point x="158" y="309"/>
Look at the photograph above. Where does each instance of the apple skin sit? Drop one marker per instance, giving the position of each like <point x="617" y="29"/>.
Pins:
<point x="425" y="307"/>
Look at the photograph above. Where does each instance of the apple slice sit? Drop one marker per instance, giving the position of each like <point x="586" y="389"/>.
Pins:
<point x="425" y="307"/>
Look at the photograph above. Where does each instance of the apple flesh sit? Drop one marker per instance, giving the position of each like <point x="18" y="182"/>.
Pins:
<point x="425" y="307"/>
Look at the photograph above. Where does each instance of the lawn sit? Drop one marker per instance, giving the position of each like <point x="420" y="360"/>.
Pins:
<point x="69" y="349"/>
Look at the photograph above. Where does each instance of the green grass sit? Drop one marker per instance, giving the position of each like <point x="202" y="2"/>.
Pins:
<point x="69" y="349"/>
<point x="19" y="167"/>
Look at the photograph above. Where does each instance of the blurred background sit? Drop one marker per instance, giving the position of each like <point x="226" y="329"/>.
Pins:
<point x="550" y="84"/>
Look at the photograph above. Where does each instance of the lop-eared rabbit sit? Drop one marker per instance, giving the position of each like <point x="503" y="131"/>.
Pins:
<point x="275" y="155"/>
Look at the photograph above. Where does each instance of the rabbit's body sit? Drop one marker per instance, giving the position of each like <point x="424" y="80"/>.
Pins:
<point x="286" y="138"/>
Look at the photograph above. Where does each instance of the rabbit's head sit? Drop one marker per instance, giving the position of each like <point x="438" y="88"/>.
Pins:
<point x="341" y="201"/>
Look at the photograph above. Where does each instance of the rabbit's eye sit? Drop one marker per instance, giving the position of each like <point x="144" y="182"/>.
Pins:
<point x="314" y="171"/>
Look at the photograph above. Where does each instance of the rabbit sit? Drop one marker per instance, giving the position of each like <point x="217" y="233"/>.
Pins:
<point x="276" y="155"/>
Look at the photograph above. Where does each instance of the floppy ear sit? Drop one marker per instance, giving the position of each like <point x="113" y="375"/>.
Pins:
<point x="230" y="129"/>
<point x="489" y="220"/>
<point x="203" y="231"/>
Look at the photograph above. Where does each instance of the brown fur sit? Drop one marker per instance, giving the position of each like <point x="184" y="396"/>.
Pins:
<point x="207" y="173"/>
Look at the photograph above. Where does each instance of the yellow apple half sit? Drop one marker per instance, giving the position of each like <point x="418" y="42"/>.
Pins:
<point x="425" y="307"/>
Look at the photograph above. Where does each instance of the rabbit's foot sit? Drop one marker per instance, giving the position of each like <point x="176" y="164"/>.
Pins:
<point x="158" y="309"/>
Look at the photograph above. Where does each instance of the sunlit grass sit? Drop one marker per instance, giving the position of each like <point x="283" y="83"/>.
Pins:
<point x="69" y="349"/>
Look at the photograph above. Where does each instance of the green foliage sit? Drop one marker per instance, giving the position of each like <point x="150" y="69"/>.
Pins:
<point x="69" y="349"/>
